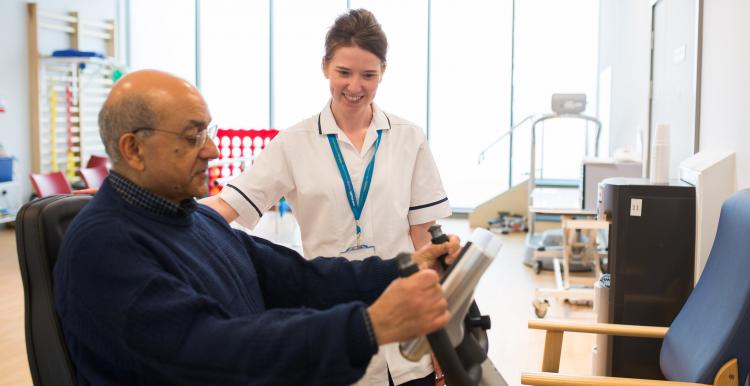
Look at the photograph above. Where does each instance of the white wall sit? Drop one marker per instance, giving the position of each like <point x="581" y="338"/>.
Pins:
<point x="624" y="29"/>
<point x="15" y="123"/>
<point x="726" y="80"/>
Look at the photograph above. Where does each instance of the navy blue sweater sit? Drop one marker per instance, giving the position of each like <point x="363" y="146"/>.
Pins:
<point x="186" y="300"/>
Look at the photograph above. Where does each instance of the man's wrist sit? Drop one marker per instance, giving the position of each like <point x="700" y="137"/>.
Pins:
<point x="368" y="325"/>
<point x="361" y="342"/>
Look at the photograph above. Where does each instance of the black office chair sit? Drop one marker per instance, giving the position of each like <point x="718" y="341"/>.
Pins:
<point x="709" y="340"/>
<point x="41" y="225"/>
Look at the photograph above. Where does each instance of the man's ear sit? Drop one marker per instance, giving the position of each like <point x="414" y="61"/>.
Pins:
<point x="131" y="151"/>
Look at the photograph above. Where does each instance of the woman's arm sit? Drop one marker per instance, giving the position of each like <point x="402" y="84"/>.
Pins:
<point x="419" y="235"/>
<point x="221" y="206"/>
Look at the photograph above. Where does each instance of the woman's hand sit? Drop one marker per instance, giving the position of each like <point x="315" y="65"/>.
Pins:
<point x="427" y="256"/>
<point x="86" y="191"/>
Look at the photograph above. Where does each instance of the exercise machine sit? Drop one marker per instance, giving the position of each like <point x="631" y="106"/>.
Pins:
<point x="461" y="347"/>
<point x="555" y="197"/>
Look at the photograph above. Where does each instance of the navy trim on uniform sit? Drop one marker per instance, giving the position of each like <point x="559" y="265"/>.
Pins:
<point x="428" y="205"/>
<point x="247" y="198"/>
<point x="320" y="130"/>
<point x="387" y="119"/>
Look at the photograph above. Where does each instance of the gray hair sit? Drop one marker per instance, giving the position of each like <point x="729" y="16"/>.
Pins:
<point x="124" y="116"/>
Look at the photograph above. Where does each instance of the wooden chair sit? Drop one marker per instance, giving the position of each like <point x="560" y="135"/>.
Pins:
<point x="50" y="183"/>
<point x="93" y="177"/>
<point x="708" y="343"/>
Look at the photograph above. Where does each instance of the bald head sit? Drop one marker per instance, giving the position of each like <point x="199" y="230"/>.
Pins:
<point x="155" y="86"/>
<point x="141" y="99"/>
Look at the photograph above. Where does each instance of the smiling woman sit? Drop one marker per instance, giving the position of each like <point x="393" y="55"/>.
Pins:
<point x="361" y="181"/>
<point x="354" y="76"/>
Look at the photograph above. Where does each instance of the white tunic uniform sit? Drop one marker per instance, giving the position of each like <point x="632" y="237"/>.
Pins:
<point x="406" y="190"/>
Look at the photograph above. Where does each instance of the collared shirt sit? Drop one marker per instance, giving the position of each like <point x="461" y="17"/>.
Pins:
<point x="141" y="198"/>
<point x="299" y="165"/>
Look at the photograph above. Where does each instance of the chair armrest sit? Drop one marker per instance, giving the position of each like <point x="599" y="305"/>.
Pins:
<point x="600" y="328"/>
<point x="555" y="329"/>
<point x="552" y="379"/>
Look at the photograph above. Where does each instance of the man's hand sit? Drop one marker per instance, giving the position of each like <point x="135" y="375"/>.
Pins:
<point x="409" y="307"/>
<point x="427" y="256"/>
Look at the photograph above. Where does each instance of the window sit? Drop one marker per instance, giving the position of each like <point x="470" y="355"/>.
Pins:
<point x="470" y="73"/>
<point x="404" y="88"/>
<point x="163" y="37"/>
<point x="562" y="59"/>
<point x="451" y="68"/>
<point x="234" y="62"/>
<point x="298" y="86"/>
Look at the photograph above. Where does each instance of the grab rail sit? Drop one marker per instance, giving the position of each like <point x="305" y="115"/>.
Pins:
<point x="507" y="133"/>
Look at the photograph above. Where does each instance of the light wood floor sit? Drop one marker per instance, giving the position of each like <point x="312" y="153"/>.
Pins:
<point x="14" y="367"/>
<point x="505" y="293"/>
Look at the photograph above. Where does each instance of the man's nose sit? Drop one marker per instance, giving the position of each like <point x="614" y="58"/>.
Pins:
<point x="209" y="149"/>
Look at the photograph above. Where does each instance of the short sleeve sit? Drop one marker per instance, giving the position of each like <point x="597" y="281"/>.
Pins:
<point x="428" y="199"/>
<point x="260" y="186"/>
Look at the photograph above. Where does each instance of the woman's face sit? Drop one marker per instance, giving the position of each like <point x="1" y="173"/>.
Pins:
<point x="354" y="75"/>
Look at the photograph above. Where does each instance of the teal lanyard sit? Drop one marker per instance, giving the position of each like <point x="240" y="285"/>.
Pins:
<point x="348" y="185"/>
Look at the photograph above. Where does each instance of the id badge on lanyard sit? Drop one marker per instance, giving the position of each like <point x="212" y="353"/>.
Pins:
<point x="360" y="250"/>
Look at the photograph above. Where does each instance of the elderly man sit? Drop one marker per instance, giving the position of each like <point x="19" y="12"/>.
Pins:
<point x="154" y="288"/>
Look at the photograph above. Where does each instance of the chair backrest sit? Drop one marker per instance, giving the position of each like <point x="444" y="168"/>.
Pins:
<point x="714" y="324"/>
<point x="97" y="160"/>
<point x="94" y="177"/>
<point x="41" y="225"/>
<point x="50" y="183"/>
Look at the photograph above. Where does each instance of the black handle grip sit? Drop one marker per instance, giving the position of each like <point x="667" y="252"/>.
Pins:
<point x="462" y="365"/>
<point x="406" y="266"/>
<point x="453" y="368"/>
<point x="438" y="237"/>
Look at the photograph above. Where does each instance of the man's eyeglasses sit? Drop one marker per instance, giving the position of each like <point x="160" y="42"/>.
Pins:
<point x="194" y="140"/>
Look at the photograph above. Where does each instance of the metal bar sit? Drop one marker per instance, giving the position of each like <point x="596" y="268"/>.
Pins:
<point x="127" y="33"/>
<point x="698" y="74"/>
<point x="532" y="177"/>
<point x="429" y="55"/>
<point x="270" y="65"/>
<point x="512" y="91"/>
<point x="197" y="44"/>
<point x="507" y="133"/>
